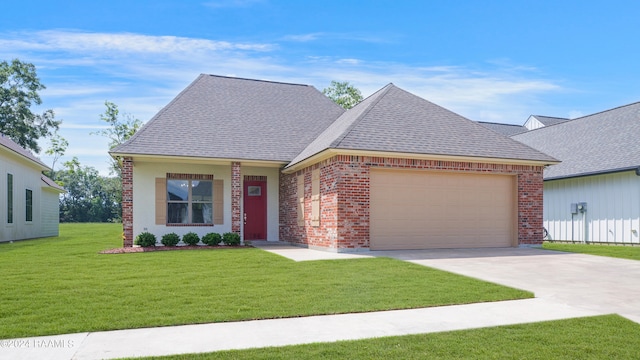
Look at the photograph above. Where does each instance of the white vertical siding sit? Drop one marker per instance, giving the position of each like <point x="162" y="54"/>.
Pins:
<point x="613" y="208"/>
<point x="24" y="177"/>
<point x="50" y="212"/>
<point x="532" y="123"/>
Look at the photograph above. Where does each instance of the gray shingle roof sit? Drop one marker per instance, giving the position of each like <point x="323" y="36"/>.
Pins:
<point x="234" y="118"/>
<point x="597" y="143"/>
<point x="504" y="129"/>
<point x="11" y="145"/>
<point x="397" y="121"/>
<point x="52" y="184"/>
<point x="549" y="120"/>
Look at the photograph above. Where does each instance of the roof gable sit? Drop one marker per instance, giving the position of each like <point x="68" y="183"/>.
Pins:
<point x="394" y="120"/>
<point x="597" y="143"/>
<point x="234" y="118"/>
<point x="538" y="121"/>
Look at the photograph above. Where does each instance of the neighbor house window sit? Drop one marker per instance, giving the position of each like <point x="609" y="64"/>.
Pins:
<point x="10" y="198"/>
<point x="29" y="205"/>
<point x="190" y="199"/>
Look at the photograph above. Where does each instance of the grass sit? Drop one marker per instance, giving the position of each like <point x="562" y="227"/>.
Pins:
<point x="602" y="337"/>
<point x="623" y="252"/>
<point x="62" y="285"/>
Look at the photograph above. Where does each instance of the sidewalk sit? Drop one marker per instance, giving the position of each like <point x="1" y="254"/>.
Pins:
<point x="278" y="332"/>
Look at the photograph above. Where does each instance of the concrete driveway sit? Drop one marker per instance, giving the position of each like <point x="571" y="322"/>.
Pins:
<point x="602" y="284"/>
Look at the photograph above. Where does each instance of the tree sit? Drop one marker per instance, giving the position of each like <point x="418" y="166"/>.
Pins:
<point x="89" y="197"/>
<point x="121" y="128"/>
<point x="19" y="86"/>
<point x="57" y="148"/>
<point x="343" y="94"/>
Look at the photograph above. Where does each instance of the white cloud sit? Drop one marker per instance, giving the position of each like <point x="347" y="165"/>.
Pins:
<point x="574" y="114"/>
<point x="142" y="73"/>
<point x="88" y="42"/>
<point x="303" y="37"/>
<point x="349" y="61"/>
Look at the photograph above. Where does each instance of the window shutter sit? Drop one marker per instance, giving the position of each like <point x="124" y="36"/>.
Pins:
<point x="161" y="201"/>
<point x="218" y="202"/>
<point x="300" y="195"/>
<point x="315" y="197"/>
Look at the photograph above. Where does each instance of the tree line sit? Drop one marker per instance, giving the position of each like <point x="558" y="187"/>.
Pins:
<point x="89" y="196"/>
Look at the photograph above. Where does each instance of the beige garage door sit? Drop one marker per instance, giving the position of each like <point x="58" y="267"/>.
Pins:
<point x="414" y="209"/>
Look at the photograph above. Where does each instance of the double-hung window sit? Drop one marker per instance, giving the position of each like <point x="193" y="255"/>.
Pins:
<point x="190" y="201"/>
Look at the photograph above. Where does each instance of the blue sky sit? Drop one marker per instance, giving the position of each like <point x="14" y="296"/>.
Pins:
<point x="497" y="61"/>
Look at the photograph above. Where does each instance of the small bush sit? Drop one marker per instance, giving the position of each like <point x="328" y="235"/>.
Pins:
<point x="212" y="239"/>
<point x="231" y="239"/>
<point x="146" y="239"/>
<point x="191" y="238"/>
<point x="170" y="239"/>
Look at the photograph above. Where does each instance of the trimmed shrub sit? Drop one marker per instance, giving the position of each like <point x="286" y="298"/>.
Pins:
<point x="231" y="239"/>
<point x="170" y="239"/>
<point x="212" y="239"/>
<point x="190" y="238"/>
<point x="146" y="239"/>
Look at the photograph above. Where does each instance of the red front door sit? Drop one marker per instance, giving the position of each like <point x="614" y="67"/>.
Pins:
<point x="255" y="210"/>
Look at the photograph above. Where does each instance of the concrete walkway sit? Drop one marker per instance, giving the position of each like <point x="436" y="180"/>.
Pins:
<point x="566" y="286"/>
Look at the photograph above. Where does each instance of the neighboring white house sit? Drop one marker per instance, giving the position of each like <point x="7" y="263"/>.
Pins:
<point x="29" y="201"/>
<point x="594" y="194"/>
<point x="539" y="121"/>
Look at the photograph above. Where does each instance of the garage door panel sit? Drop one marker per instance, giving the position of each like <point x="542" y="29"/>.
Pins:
<point x="425" y="209"/>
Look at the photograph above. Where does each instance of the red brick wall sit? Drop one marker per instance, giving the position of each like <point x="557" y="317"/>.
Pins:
<point x="324" y="235"/>
<point x="127" y="201"/>
<point x="530" y="188"/>
<point x="344" y="186"/>
<point x="236" y="190"/>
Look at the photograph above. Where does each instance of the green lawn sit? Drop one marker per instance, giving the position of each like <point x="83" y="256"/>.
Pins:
<point x="602" y="337"/>
<point x="624" y="252"/>
<point x="63" y="285"/>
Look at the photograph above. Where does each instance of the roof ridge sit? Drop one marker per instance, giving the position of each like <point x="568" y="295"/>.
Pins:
<point x="497" y="123"/>
<point x="579" y="118"/>
<point x="551" y="117"/>
<point x="383" y="91"/>
<point x="604" y="111"/>
<point x="256" y="80"/>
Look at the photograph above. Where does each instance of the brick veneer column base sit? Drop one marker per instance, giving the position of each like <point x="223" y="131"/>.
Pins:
<point x="127" y="202"/>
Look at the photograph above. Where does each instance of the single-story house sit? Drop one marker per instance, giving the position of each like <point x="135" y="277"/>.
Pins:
<point x="594" y="194"/>
<point x="29" y="201"/>
<point x="281" y="162"/>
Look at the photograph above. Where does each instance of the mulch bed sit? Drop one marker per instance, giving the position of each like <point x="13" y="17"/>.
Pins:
<point x="139" y="249"/>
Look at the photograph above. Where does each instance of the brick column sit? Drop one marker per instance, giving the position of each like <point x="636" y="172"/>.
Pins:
<point x="530" y="197"/>
<point x="127" y="201"/>
<point x="236" y="191"/>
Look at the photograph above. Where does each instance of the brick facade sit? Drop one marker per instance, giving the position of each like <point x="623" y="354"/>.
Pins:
<point x="127" y="201"/>
<point x="344" y="207"/>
